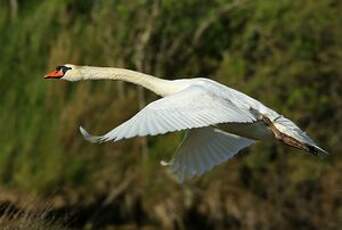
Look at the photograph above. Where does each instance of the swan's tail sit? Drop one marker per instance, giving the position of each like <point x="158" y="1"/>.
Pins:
<point x="300" y="143"/>
<point x="289" y="133"/>
<point x="315" y="150"/>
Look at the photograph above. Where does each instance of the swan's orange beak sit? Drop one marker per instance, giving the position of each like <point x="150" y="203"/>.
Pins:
<point x="56" y="74"/>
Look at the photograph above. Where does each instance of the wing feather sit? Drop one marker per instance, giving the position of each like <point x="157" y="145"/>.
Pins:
<point x="193" y="107"/>
<point x="203" y="149"/>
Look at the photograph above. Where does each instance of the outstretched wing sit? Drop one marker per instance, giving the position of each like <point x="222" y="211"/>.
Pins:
<point x="193" y="107"/>
<point x="204" y="148"/>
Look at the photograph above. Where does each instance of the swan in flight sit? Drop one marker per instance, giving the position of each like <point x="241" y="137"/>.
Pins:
<point x="219" y="121"/>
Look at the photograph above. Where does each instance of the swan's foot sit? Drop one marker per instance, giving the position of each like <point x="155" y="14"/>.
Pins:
<point x="284" y="138"/>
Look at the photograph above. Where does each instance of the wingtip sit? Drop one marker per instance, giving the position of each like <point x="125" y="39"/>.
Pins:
<point x="178" y="177"/>
<point x="164" y="163"/>
<point x="83" y="131"/>
<point x="89" y="137"/>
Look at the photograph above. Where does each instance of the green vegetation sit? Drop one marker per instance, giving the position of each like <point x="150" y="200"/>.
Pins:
<point x="286" y="53"/>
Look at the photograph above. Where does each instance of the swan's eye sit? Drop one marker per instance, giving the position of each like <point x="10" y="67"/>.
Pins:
<point x="65" y="69"/>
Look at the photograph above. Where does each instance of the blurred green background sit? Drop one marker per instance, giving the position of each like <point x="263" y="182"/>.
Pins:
<point x="287" y="54"/>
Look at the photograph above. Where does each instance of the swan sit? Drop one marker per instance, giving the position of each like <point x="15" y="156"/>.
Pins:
<point x="219" y="121"/>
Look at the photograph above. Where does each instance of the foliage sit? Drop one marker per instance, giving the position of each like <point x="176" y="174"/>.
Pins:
<point x="284" y="53"/>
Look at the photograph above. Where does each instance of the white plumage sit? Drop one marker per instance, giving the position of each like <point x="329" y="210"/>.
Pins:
<point x="204" y="148"/>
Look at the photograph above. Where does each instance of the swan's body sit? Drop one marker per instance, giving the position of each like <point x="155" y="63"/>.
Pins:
<point x="202" y="107"/>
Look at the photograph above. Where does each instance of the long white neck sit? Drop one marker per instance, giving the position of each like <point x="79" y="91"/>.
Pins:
<point x="159" y="86"/>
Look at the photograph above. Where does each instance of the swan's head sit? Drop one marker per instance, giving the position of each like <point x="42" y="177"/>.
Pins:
<point x="65" y="72"/>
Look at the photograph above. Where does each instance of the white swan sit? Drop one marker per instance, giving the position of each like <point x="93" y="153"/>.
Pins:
<point x="202" y="107"/>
